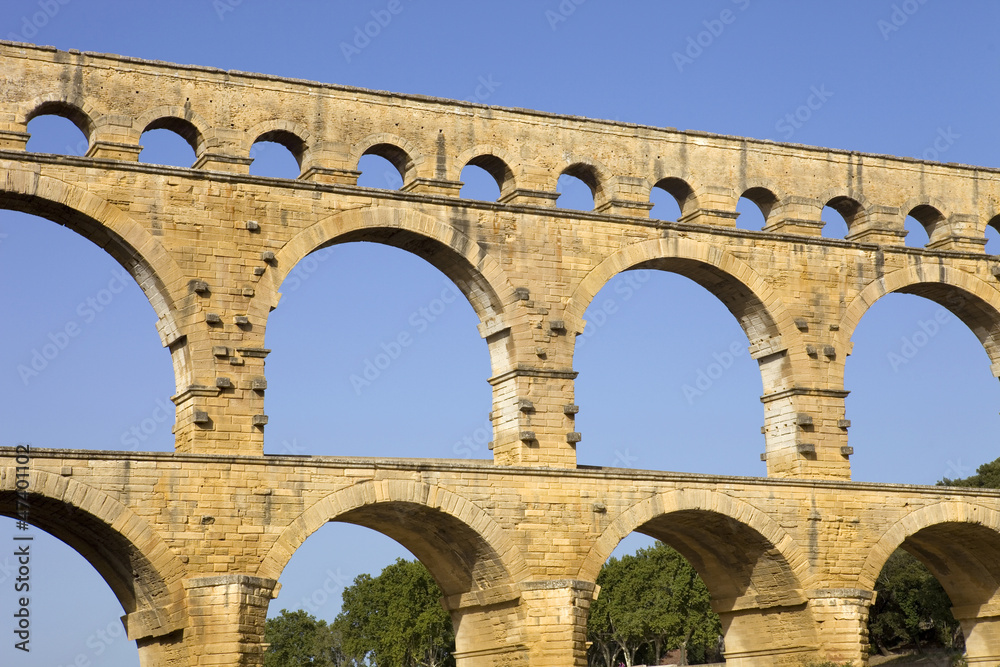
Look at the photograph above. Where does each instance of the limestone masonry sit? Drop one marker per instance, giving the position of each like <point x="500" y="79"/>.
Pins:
<point x="193" y="542"/>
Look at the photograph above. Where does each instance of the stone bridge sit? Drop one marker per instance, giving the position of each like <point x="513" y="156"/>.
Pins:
<point x="193" y="542"/>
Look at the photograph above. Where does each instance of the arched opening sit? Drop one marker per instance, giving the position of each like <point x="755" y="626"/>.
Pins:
<point x="497" y="181"/>
<point x="88" y="370"/>
<point x="74" y="616"/>
<point x="653" y="608"/>
<point x="75" y="548"/>
<point x="915" y="360"/>
<point x="750" y="581"/>
<point x="993" y="236"/>
<point x="277" y="154"/>
<point x="170" y="141"/>
<point x="59" y="129"/>
<point x="839" y="215"/>
<point x="578" y="187"/>
<point x="478" y="183"/>
<point x="392" y="366"/>
<point x="921" y="223"/>
<point x="911" y="613"/>
<point x="951" y="587"/>
<point x="384" y="166"/>
<point x="697" y="373"/>
<point x="753" y="207"/>
<point x="459" y="559"/>
<point x="669" y="197"/>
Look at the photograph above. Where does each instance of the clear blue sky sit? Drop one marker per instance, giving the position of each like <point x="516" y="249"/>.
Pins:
<point x="896" y="76"/>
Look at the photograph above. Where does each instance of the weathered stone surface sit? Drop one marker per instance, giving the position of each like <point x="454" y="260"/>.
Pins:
<point x="193" y="542"/>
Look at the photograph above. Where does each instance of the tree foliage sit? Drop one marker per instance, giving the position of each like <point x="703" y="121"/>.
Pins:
<point x="911" y="608"/>
<point x="396" y="619"/>
<point x="299" y="639"/>
<point x="987" y="477"/>
<point x="651" y="602"/>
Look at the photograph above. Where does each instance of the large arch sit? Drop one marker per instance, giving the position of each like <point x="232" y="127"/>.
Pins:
<point x="755" y="572"/>
<point x="135" y="561"/>
<point x="958" y="541"/>
<point x="970" y="299"/>
<point x="477" y="274"/>
<point x="459" y="543"/>
<point x="748" y="297"/>
<point x="138" y="252"/>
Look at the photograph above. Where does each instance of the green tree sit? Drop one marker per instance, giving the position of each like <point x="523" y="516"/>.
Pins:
<point x="651" y="602"/>
<point x="987" y="476"/>
<point x="396" y="619"/>
<point x="911" y="607"/>
<point x="298" y="639"/>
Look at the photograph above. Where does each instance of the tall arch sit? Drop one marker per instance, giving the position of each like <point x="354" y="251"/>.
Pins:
<point x="135" y="561"/>
<point x="477" y="274"/>
<point x="972" y="300"/>
<point x="747" y="296"/>
<point x="139" y="253"/>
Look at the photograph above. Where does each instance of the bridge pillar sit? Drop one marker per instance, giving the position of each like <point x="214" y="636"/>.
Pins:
<point x="981" y="626"/>
<point x="758" y="635"/>
<point x="555" y="621"/>
<point x="841" y="617"/>
<point x="533" y="417"/>
<point x="806" y="434"/>
<point x="226" y="615"/>
<point x="487" y="625"/>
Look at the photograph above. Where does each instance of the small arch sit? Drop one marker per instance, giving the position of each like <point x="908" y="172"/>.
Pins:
<point x="993" y="236"/>
<point x="57" y="135"/>
<point x="64" y="109"/>
<point x="479" y="184"/>
<point x="928" y="216"/>
<point x="498" y="169"/>
<point x="679" y="190"/>
<point x="577" y="181"/>
<point x="184" y="128"/>
<point x="396" y="150"/>
<point x="850" y="210"/>
<point x="295" y="144"/>
<point x="754" y="207"/>
<point x="274" y="163"/>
